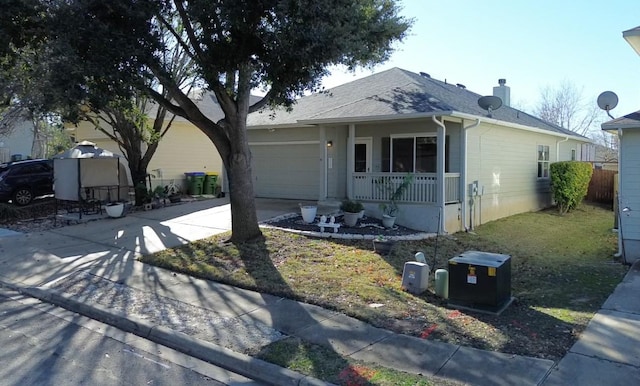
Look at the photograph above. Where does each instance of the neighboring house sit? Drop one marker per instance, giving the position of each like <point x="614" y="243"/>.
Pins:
<point x="341" y="142"/>
<point x="183" y="149"/>
<point x="627" y="129"/>
<point x="17" y="140"/>
<point x="605" y="158"/>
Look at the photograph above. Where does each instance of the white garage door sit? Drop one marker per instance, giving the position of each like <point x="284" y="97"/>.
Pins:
<point x="286" y="171"/>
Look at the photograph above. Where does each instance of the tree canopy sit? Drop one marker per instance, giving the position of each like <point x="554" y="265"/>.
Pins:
<point x="283" y="47"/>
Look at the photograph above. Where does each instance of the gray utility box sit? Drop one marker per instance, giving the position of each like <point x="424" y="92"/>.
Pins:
<point x="415" y="277"/>
<point x="480" y="281"/>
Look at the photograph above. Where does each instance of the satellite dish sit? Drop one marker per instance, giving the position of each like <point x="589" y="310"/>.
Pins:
<point x="608" y="100"/>
<point x="490" y="103"/>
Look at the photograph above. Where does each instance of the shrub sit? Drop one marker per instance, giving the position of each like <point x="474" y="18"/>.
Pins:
<point x="351" y="206"/>
<point x="569" y="183"/>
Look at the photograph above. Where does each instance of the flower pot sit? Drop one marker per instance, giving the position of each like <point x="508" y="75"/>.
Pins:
<point x="383" y="247"/>
<point x="351" y="219"/>
<point x="308" y="213"/>
<point x="174" y="198"/>
<point x="115" y="210"/>
<point x="388" y="221"/>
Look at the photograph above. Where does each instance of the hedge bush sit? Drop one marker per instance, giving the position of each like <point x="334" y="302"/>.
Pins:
<point x="570" y="183"/>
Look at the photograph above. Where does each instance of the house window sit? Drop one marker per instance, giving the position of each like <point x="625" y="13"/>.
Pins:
<point x="412" y="154"/>
<point x="543" y="161"/>
<point x="573" y="154"/>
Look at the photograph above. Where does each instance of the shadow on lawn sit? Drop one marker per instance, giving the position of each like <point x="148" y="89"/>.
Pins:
<point x="521" y="329"/>
<point x="260" y="267"/>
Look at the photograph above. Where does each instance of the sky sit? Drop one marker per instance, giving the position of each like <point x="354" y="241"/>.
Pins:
<point x="533" y="44"/>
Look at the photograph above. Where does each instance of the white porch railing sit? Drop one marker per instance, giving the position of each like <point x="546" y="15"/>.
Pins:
<point x="423" y="187"/>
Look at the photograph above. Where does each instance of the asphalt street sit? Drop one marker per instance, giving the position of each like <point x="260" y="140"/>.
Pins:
<point x="45" y="345"/>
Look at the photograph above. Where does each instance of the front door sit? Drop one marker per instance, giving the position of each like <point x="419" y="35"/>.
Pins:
<point x="362" y="155"/>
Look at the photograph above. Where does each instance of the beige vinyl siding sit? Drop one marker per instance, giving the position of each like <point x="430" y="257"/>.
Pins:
<point x="183" y="149"/>
<point x="504" y="162"/>
<point x="186" y="149"/>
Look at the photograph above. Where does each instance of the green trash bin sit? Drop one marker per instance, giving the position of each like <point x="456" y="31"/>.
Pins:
<point x="210" y="183"/>
<point x="195" y="182"/>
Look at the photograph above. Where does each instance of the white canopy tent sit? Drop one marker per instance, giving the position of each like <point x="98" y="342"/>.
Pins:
<point x="87" y="172"/>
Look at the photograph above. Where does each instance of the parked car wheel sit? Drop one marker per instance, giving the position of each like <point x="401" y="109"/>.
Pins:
<point x="22" y="196"/>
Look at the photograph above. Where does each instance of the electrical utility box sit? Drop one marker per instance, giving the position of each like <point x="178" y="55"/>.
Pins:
<point x="415" y="277"/>
<point x="480" y="281"/>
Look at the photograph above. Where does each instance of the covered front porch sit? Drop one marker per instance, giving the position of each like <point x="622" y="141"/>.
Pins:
<point x="380" y="157"/>
<point x="423" y="189"/>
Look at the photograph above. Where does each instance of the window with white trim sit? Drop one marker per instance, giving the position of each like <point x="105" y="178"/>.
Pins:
<point x="412" y="154"/>
<point x="543" y="161"/>
<point x="573" y="154"/>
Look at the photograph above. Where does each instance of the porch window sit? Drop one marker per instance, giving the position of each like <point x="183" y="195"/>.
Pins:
<point x="412" y="154"/>
<point x="543" y="161"/>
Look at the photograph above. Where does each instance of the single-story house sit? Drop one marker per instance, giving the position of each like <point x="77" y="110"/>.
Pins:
<point x="344" y="141"/>
<point x="627" y="128"/>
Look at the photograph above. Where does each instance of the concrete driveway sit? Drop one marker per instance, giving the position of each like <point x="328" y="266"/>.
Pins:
<point x="36" y="257"/>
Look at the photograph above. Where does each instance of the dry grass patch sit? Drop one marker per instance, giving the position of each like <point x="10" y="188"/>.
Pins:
<point x="562" y="271"/>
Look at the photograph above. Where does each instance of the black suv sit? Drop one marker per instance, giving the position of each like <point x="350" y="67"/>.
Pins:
<point x="22" y="181"/>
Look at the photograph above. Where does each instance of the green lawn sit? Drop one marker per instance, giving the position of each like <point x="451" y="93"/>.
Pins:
<point x="562" y="272"/>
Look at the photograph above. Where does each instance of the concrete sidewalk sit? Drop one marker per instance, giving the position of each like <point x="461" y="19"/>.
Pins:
<point x="106" y="250"/>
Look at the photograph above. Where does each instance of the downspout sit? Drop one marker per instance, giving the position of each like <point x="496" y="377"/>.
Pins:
<point x="442" y="130"/>
<point x="463" y="175"/>
<point x="620" y="241"/>
<point x="558" y="148"/>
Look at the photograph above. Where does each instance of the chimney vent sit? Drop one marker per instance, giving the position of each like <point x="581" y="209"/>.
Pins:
<point x="503" y="92"/>
<point x="460" y="85"/>
<point x="424" y="74"/>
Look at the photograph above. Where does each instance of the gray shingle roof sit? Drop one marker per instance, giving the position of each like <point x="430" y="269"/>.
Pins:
<point x="395" y="92"/>
<point x="628" y="121"/>
<point x="206" y="102"/>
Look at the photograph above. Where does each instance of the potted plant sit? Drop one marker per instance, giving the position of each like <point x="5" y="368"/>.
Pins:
<point x="173" y="192"/>
<point x="158" y="194"/>
<point x="390" y="208"/>
<point x="382" y="245"/>
<point x="351" y="210"/>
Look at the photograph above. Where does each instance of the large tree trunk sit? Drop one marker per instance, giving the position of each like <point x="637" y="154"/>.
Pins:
<point x="244" y="220"/>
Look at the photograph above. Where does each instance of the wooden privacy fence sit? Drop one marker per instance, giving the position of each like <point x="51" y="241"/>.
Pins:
<point x="602" y="187"/>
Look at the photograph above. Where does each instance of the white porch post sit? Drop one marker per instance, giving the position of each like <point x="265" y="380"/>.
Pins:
<point x="463" y="175"/>
<point x="322" y="194"/>
<point x="350" y="159"/>
<point x="441" y="146"/>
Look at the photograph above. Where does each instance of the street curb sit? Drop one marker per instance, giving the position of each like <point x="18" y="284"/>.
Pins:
<point x="238" y="363"/>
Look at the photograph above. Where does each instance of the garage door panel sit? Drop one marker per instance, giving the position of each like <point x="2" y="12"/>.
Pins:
<point x="286" y="171"/>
